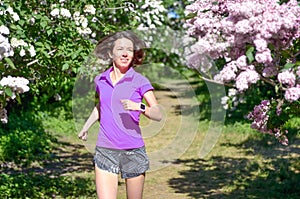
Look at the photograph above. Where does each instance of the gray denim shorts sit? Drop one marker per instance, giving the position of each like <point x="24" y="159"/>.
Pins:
<point x="130" y="163"/>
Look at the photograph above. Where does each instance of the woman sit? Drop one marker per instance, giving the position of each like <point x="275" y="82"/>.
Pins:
<point x="120" y="146"/>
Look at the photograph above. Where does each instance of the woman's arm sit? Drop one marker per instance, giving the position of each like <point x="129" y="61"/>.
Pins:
<point x="152" y="111"/>
<point x="94" y="116"/>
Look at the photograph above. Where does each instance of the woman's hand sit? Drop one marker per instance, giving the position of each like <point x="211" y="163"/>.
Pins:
<point x="83" y="135"/>
<point x="130" y="105"/>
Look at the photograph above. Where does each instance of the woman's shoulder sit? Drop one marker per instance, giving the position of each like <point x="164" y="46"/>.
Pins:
<point x="102" y="75"/>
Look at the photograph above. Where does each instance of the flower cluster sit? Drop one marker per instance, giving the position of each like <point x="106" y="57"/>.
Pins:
<point x="20" y="43"/>
<point x="292" y="94"/>
<point x="152" y="15"/>
<point x="9" y="10"/>
<point x="231" y="101"/>
<point x="63" y="12"/>
<point x="249" y="35"/>
<point x="224" y="28"/>
<point x="5" y="47"/>
<point x="260" y="117"/>
<point x="16" y="86"/>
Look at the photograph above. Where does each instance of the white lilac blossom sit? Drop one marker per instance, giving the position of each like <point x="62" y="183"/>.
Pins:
<point x="65" y="13"/>
<point x="5" y="47"/>
<point x="22" y="52"/>
<point x="89" y="9"/>
<point x="13" y="14"/>
<point x="54" y="12"/>
<point x="152" y="14"/>
<point x="31" y="51"/>
<point x="17" y="42"/>
<point x="224" y="102"/>
<point x="4" y="30"/>
<point x="17" y="84"/>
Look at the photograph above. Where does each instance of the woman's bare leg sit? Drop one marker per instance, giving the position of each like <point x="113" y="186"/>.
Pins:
<point x="135" y="187"/>
<point x="106" y="184"/>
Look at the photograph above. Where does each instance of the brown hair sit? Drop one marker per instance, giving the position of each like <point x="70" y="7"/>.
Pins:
<point x="106" y="44"/>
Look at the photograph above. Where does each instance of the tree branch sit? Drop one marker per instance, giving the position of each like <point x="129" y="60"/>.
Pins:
<point x="35" y="61"/>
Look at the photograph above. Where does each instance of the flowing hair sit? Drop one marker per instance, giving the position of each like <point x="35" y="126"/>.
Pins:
<point x="106" y="45"/>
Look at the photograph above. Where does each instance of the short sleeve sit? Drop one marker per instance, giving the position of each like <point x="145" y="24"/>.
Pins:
<point x="145" y="86"/>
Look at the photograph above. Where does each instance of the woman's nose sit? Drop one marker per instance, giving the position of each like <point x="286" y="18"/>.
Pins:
<point x="124" y="53"/>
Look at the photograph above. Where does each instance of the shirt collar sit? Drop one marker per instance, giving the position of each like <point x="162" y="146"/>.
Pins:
<point x="128" y="75"/>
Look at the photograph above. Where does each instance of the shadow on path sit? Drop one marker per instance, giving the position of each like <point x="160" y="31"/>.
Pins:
<point x="275" y="175"/>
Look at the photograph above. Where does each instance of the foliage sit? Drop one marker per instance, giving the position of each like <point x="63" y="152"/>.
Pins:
<point x="33" y="185"/>
<point x="24" y="141"/>
<point x="47" y="42"/>
<point x="253" y="43"/>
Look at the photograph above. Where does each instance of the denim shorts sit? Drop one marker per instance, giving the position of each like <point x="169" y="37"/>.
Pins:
<point x="130" y="163"/>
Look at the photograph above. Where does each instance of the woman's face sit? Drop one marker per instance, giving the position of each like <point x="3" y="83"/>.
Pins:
<point x="122" y="53"/>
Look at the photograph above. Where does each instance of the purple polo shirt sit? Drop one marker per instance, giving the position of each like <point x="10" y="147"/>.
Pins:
<point x="119" y="128"/>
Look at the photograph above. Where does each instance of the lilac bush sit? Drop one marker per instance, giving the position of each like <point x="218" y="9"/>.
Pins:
<point x="258" y="41"/>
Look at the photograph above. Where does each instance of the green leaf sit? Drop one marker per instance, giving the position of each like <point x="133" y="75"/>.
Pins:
<point x="18" y="98"/>
<point x="43" y="24"/>
<point x="276" y="88"/>
<point x="191" y="15"/>
<point x="65" y="66"/>
<point x="288" y="66"/>
<point x="10" y="63"/>
<point x="21" y="22"/>
<point x="49" y="32"/>
<point x="249" y="54"/>
<point x="8" y="91"/>
<point x="39" y="44"/>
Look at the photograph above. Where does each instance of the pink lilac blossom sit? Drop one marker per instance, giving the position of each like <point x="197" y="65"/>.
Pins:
<point x="292" y="94"/>
<point x="260" y="117"/>
<point x="246" y="78"/>
<point x="264" y="56"/>
<point x="242" y="62"/>
<point x="228" y="73"/>
<point x="298" y="71"/>
<point x="281" y="137"/>
<point x="229" y="26"/>
<point x="287" y="77"/>
<point x="260" y="44"/>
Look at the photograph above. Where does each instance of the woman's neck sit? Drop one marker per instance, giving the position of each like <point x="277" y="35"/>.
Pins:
<point x="116" y="74"/>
